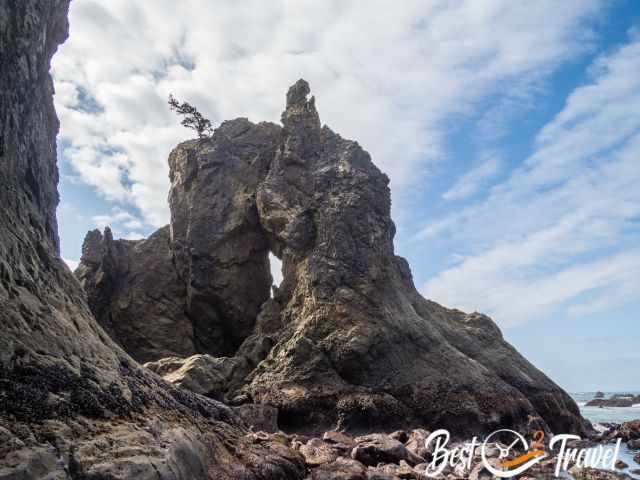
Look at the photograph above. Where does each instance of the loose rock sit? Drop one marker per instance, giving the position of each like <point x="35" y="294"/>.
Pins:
<point x="316" y="452"/>
<point x="340" y="469"/>
<point x="379" y="448"/>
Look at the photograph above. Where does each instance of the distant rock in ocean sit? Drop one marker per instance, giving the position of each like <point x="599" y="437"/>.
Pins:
<point x="346" y="342"/>
<point x="616" y="400"/>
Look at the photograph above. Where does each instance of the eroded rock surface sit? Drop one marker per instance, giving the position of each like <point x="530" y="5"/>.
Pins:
<point x="221" y="252"/>
<point x="346" y="341"/>
<point x="73" y="404"/>
<point x="131" y="281"/>
<point x="203" y="374"/>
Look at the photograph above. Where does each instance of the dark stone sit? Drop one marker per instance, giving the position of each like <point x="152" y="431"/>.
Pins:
<point x="615" y="401"/>
<point x="340" y="469"/>
<point x="127" y="282"/>
<point x="258" y="417"/>
<point x="72" y="403"/>
<point x="596" y="474"/>
<point x="620" y="465"/>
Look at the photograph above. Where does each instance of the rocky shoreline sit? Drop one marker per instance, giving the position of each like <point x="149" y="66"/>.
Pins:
<point x="405" y="455"/>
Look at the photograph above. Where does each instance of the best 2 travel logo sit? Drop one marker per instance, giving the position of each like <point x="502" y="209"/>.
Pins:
<point x="516" y="455"/>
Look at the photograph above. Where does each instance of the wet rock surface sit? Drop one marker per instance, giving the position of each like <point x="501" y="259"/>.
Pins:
<point x="73" y="404"/>
<point x="378" y="448"/>
<point x="595" y="474"/>
<point x="339" y="456"/>
<point x="628" y="431"/>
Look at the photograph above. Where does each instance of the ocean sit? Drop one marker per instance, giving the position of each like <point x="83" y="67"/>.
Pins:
<point x="598" y="415"/>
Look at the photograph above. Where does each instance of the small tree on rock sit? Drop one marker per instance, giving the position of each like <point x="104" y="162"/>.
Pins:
<point x="192" y="117"/>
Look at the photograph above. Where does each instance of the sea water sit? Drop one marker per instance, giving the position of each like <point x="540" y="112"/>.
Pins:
<point x="598" y="416"/>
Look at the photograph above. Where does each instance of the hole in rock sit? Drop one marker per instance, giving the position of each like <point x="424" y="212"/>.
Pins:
<point x="276" y="270"/>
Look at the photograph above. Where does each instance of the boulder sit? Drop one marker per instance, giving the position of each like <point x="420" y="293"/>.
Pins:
<point x="596" y="474"/>
<point x="316" y="452"/>
<point x="391" y="471"/>
<point x="380" y="448"/>
<point x="416" y="443"/>
<point x="400" y="435"/>
<point x="627" y="431"/>
<point x="73" y="404"/>
<point x="480" y="472"/>
<point x="340" y="469"/>
<point x="375" y="474"/>
<point x="203" y="374"/>
<point x="620" y="465"/>
<point x="258" y="416"/>
<point x="338" y="438"/>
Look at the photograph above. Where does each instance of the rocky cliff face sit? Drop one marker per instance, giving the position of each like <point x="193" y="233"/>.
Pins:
<point x="215" y="228"/>
<point x="347" y="341"/>
<point x="72" y="403"/>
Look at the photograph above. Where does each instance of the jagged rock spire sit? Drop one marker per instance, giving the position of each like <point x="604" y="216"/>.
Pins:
<point x="302" y="124"/>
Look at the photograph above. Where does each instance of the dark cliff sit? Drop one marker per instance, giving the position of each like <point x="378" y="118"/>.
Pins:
<point x="72" y="403"/>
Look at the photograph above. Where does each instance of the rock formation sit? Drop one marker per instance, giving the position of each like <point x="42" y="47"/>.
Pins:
<point x="215" y="228"/>
<point x="347" y="341"/>
<point x="72" y="403"/>
<point x="616" y="400"/>
<point x="131" y="281"/>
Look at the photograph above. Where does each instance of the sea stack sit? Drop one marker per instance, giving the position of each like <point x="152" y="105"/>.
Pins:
<point x="346" y="342"/>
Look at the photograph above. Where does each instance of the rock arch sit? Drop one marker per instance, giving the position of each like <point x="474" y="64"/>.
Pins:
<point x="347" y="341"/>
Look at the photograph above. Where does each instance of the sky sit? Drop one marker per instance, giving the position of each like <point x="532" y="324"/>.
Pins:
<point x="510" y="132"/>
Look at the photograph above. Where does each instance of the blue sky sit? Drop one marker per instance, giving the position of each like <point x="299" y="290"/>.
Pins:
<point x="510" y="132"/>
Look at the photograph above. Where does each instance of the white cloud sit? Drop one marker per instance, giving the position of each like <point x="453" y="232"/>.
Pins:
<point x="133" y="236"/>
<point x="574" y="201"/>
<point x="72" y="264"/>
<point x="276" y="269"/>
<point x="474" y="179"/>
<point x="393" y="75"/>
<point x="123" y="224"/>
